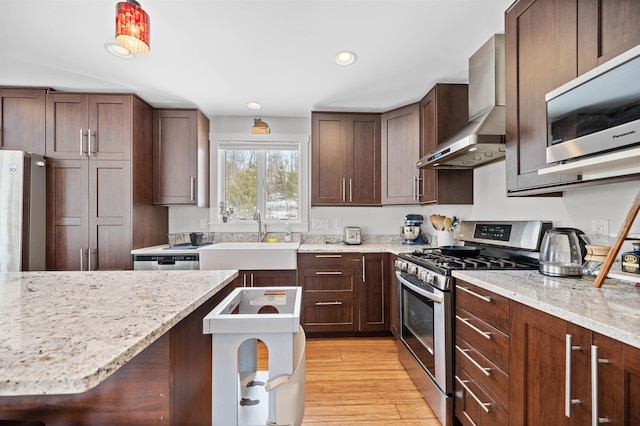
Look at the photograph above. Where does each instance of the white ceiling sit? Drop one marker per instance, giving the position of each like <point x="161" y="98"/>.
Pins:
<point x="218" y="55"/>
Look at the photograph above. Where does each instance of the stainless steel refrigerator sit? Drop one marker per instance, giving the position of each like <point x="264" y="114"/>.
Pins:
<point x="22" y="211"/>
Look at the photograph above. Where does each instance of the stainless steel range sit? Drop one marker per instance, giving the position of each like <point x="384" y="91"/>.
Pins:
<point x="427" y="305"/>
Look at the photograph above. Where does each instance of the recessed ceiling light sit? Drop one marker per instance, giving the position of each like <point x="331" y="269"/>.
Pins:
<point x="254" y="105"/>
<point x="119" y="51"/>
<point x="345" y="58"/>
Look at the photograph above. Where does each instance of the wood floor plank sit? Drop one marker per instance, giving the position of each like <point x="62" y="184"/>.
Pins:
<point x="359" y="381"/>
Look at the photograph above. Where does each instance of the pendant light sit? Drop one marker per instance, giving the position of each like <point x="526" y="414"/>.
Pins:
<point x="132" y="27"/>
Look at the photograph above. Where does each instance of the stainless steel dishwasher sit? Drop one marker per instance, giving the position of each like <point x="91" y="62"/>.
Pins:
<point x="146" y="262"/>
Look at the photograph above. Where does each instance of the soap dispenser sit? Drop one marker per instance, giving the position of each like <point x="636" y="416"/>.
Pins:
<point x="287" y="231"/>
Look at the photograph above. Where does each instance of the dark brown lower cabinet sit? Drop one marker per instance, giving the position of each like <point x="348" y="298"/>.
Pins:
<point x="345" y="292"/>
<point x="168" y="383"/>
<point x="542" y="346"/>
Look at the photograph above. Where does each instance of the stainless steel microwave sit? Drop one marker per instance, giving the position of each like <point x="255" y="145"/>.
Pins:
<point x="596" y="113"/>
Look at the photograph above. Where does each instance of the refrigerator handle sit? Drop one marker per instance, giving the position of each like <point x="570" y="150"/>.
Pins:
<point x="81" y="153"/>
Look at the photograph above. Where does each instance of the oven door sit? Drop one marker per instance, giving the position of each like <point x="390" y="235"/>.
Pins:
<point x="426" y="329"/>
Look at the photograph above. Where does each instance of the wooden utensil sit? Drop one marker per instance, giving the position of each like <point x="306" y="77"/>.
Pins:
<point x="447" y="223"/>
<point x="440" y="222"/>
<point x="434" y="222"/>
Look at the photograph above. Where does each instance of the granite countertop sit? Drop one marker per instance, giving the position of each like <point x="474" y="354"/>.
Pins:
<point x="366" y="247"/>
<point x="612" y="310"/>
<point x="65" y="332"/>
<point x="333" y="247"/>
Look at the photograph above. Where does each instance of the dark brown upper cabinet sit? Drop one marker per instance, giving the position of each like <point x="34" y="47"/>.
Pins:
<point x="345" y="152"/>
<point x="180" y="157"/>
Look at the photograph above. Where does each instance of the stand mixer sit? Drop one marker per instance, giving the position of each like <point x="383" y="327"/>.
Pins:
<point x="411" y="230"/>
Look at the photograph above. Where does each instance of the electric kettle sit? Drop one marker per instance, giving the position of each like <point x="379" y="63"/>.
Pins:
<point x="562" y="252"/>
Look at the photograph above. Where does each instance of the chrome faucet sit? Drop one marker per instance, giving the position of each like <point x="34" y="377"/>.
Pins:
<point x="261" y="235"/>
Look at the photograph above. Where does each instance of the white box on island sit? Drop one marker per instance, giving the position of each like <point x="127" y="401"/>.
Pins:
<point x="241" y="394"/>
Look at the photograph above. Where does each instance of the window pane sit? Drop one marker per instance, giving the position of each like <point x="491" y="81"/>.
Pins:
<point x="241" y="182"/>
<point x="282" y="171"/>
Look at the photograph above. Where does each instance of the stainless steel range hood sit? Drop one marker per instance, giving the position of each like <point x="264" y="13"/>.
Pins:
<point x="482" y="139"/>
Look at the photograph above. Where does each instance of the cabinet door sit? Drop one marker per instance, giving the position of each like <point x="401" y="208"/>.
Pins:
<point x="178" y="151"/>
<point x="373" y="295"/>
<point x="67" y="125"/>
<point x="328" y="154"/>
<point x="363" y="157"/>
<point x="67" y="215"/>
<point x="606" y="29"/>
<point x="632" y="385"/>
<point x="109" y="215"/>
<point x="275" y="278"/>
<point x="110" y="126"/>
<point x="400" y="153"/>
<point x="540" y="55"/>
<point x="443" y="111"/>
<point x="537" y="369"/>
<point x="611" y="380"/>
<point x="22" y="115"/>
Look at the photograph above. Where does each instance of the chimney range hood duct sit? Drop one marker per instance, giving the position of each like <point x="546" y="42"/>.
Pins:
<point x="482" y="139"/>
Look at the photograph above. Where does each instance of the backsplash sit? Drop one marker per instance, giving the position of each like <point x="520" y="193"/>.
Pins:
<point x="218" y="237"/>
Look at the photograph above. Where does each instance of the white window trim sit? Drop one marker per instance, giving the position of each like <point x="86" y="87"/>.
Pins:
<point x="238" y="139"/>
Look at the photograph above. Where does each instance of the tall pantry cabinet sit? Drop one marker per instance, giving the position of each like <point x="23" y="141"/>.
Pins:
<point x="99" y="181"/>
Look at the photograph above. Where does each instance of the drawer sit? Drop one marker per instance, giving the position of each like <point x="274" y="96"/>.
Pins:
<point x="328" y="314"/>
<point x="489" y="307"/>
<point x="483" y="372"/>
<point x="489" y="341"/>
<point x="473" y="406"/>
<point x="317" y="282"/>
<point x="330" y="261"/>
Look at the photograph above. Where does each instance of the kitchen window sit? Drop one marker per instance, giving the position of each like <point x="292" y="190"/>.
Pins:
<point x="264" y="172"/>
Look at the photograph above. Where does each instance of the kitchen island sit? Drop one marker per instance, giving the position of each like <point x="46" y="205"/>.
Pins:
<point x="108" y="347"/>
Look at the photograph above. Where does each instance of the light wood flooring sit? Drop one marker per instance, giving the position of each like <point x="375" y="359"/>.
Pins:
<point x="359" y="381"/>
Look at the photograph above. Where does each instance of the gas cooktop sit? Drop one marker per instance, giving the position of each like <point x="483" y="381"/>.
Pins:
<point x="434" y="258"/>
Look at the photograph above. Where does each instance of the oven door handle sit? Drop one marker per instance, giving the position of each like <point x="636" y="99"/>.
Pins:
<point x="422" y="292"/>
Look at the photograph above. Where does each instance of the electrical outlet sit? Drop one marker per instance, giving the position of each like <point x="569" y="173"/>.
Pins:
<point x="320" y="223"/>
<point x="600" y="228"/>
<point x="337" y="223"/>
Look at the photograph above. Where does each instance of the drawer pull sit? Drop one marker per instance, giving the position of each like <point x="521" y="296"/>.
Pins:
<point x="473" y="293"/>
<point x="469" y="418"/>
<point x="465" y="321"/>
<point x="485" y="371"/>
<point x="328" y="255"/>
<point x="484" y="405"/>
<point x="328" y="303"/>
<point x="328" y="272"/>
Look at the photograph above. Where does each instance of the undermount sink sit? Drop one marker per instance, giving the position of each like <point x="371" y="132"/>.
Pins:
<point x="249" y="256"/>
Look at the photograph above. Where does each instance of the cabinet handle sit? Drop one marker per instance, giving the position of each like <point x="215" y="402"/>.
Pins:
<point x="568" y="401"/>
<point x="465" y="321"/>
<point x="81" y="260"/>
<point x="364" y="276"/>
<point x="192" y="182"/>
<point x="595" y="419"/>
<point x="418" y="180"/>
<point x="88" y="259"/>
<point x="328" y="255"/>
<point x="415" y="191"/>
<point x="486" y="371"/>
<point x="473" y="293"/>
<point x="328" y="303"/>
<point x="89" y="155"/>
<point x="343" y="190"/>
<point x="350" y="191"/>
<point x="328" y="272"/>
<point x="251" y="280"/>
<point x="81" y="143"/>
<point x="469" y="418"/>
<point x="484" y="405"/>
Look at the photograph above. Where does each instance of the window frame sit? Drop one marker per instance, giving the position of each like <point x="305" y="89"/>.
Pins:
<point x="263" y="142"/>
